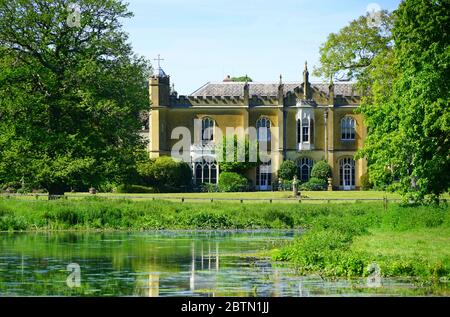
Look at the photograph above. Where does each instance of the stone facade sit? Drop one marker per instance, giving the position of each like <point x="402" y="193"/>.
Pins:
<point x="306" y="122"/>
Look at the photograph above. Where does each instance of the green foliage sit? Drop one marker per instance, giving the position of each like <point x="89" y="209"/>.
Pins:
<point x="134" y="189"/>
<point x="241" y="79"/>
<point x="366" y="184"/>
<point x="209" y="188"/>
<point x="348" y="53"/>
<point x="322" y="170"/>
<point x="233" y="182"/>
<point x="288" y="170"/>
<point x="314" y="184"/>
<point x="408" y="113"/>
<point x="241" y="160"/>
<point x="166" y="174"/>
<point x="70" y="98"/>
<point x="327" y="247"/>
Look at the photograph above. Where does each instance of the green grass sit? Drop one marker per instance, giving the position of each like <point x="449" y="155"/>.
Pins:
<point x="402" y="241"/>
<point x="431" y="243"/>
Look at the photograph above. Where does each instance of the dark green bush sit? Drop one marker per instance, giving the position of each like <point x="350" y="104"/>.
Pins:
<point x="321" y="170"/>
<point x="233" y="182"/>
<point x="314" y="184"/>
<point x="366" y="184"/>
<point x="209" y="188"/>
<point x="134" y="189"/>
<point x="288" y="170"/>
<point x="166" y="174"/>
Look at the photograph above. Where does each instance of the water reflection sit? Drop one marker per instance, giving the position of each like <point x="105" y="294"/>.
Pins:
<point x="168" y="264"/>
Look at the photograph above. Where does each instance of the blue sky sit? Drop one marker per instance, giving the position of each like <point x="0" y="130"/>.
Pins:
<point x="205" y="40"/>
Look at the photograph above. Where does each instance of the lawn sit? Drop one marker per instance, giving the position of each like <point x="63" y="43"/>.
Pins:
<point x="278" y="196"/>
<point x="432" y="244"/>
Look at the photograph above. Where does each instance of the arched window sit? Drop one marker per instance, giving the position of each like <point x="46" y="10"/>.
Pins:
<point x="348" y="125"/>
<point x="347" y="173"/>
<point x="205" y="171"/>
<point x="263" y="129"/>
<point x="305" y="166"/>
<point x="207" y="130"/>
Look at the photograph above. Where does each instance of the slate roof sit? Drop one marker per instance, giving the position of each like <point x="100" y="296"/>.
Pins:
<point x="265" y="89"/>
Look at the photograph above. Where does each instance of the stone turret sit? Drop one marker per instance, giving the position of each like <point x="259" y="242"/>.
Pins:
<point x="160" y="89"/>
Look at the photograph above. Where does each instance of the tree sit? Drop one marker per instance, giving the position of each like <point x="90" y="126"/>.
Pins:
<point x="236" y="164"/>
<point x="166" y="174"/>
<point x="409" y="116"/>
<point x="70" y="96"/>
<point x="287" y="170"/>
<point x="346" y="55"/>
<point x="241" y="79"/>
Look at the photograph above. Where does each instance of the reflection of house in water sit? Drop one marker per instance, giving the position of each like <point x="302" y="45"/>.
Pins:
<point x="203" y="268"/>
<point x="153" y="285"/>
<point x="204" y="277"/>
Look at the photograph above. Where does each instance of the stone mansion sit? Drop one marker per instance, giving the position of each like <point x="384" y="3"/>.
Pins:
<point x="306" y="122"/>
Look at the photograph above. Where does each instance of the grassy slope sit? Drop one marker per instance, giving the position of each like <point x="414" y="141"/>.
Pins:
<point x="403" y="241"/>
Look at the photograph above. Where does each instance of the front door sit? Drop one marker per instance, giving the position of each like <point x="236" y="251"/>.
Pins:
<point x="347" y="177"/>
<point x="347" y="173"/>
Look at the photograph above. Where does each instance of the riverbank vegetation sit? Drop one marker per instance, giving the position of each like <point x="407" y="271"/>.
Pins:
<point x="402" y="241"/>
<point x="340" y="239"/>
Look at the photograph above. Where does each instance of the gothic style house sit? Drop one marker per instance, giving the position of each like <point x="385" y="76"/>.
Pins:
<point x="305" y="122"/>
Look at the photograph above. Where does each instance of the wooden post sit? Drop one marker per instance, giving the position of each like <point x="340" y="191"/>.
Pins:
<point x="182" y="199"/>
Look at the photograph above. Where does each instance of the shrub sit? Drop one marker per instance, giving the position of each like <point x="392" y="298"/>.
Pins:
<point x="321" y="170"/>
<point x="209" y="188"/>
<point x="366" y="184"/>
<point x="134" y="189"/>
<point x="165" y="174"/>
<point x="233" y="182"/>
<point x="288" y="170"/>
<point x="314" y="184"/>
<point x="107" y="187"/>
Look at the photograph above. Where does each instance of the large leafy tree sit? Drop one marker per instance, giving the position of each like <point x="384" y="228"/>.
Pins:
<point x="70" y="95"/>
<point x="408" y="98"/>
<point x="409" y="114"/>
<point x="347" y="54"/>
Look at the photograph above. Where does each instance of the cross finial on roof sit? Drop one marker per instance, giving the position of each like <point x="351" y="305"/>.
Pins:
<point x="159" y="59"/>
